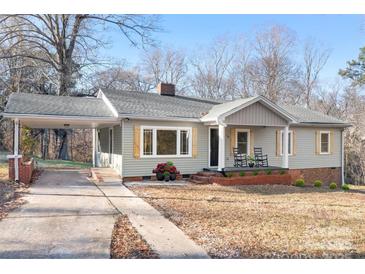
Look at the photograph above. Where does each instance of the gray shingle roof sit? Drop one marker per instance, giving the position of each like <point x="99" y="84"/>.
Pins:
<point x="304" y="115"/>
<point x="133" y="103"/>
<point x="39" y="104"/>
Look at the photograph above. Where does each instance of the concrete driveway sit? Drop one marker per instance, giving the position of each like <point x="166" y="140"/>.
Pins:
<point x="65" y="216"/>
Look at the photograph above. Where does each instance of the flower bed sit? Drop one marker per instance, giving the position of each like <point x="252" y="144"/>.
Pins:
<point x="261" y="179"/>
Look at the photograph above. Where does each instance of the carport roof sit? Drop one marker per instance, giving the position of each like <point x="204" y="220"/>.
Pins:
<point x="50" y="105"/>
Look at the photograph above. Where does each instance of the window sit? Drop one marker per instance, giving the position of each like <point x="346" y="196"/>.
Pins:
<point x="324" y="142"/>
<point x="147" y="142"/>
<point x="290" y="142"/>
<point x="184" y="142"/>
<point x="242" y="141"/>
<point x="166" y="141"/>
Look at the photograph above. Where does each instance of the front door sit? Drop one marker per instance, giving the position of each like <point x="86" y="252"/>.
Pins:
<point x="214" y="143"/>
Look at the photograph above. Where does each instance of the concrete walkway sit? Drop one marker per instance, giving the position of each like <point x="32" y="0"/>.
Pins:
<point x="65" y="216"/>
<point x="163" y="236"/>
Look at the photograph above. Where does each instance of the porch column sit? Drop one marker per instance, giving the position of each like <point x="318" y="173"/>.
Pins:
<point x="342" y="157"/>
<point x="285" y="159"/>
<point x="16" y="149"/>
<point x="94" y="147"/>
<point x="221" y="147"/>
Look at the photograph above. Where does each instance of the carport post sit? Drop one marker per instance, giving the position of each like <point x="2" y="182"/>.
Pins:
<point x="16" y="149"/>
<point x="94" y="147"/>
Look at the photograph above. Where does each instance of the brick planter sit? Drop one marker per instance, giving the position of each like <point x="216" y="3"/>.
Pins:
<point x="274" y="179"/>
<point x="25" y="169"/>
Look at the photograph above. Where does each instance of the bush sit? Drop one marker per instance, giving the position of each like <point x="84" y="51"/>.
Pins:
<point x="317" y="183"/>
<point x="229" y="174"/>
<point x="282" y="172"/>
<point x="345" y="187"/>
<point x="299" y="182"/>
<point x="242" y="173"/>
<point x="268" y="172"/>
<point x="333" y="185"/>
<point x="169" y="163"/>
<point x="255" y="173"/>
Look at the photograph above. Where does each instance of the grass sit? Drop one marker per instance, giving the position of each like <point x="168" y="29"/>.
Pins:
<point x="265" y="221"/>
<point x="61" y="164"/>
<point x="4" y="172"/>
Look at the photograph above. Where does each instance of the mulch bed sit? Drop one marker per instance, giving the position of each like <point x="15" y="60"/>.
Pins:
<point x="127" y="243"/>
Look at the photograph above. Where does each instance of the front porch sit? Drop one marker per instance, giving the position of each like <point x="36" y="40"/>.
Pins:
<point x="245" y="169"/>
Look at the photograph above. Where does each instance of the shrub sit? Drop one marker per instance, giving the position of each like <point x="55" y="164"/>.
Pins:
<point x="299" y="182"/>
<point x="242" y="173"/>
<point x="229" y="174"/>
<point x="169" y="163"/>
<point x="268" y="172"/>
<point x="282" y="172"/>
<point x="255" y="173"/>
<point x="345" y="187"/>
<point x="333" y="185"/>
<point x="317" y="183"/>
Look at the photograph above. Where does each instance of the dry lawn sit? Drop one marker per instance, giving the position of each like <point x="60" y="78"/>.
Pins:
<point x="265" y="221"/>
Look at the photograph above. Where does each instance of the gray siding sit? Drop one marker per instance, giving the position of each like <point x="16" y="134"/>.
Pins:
<point x="255" y="114"/>
<point x="143" y="166"/>
<point x="104" y="140"/>
<point x="305" y="148"/>
<point x="117" y="140"/>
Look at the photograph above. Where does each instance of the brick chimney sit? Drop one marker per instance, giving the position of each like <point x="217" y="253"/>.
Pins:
<point x="166" y="89"/>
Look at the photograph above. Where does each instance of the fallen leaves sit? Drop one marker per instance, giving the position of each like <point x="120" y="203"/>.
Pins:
<point x="127" y="243"/>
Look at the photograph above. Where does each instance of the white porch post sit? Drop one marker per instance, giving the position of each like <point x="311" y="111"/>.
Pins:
<point x="16" y="149"/>
<point x="285" y="159"/>
<point x="94" y="147"/>
<point x="342" y="157"/>
<point x="221" y="147"/>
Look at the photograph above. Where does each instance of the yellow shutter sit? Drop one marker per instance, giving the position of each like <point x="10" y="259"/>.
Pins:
<point x="233" y="139"/>
<point x="136" y="142"/>
<point x="278" y="143"/>
<point x="252" y="142"/>
<point x="195" y="143"/>
<point x="317" y="142"/>
<point x="294" y="142"/>
<point x="332" y="142"/>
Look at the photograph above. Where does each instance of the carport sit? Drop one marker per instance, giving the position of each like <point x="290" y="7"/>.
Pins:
<point x="58" y="112"/>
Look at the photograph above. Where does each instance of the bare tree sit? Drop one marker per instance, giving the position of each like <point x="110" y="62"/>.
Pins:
<point x="272" y="70"/>
<point x="314" y="60"/>
<point x="122" y="78"/>
<point x="166" y="65"/>
<point x="67" y="43"/>
<point x="212" y="76"/>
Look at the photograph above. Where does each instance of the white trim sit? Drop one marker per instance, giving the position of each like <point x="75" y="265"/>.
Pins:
<point x="107" y="103"/>
<point x="221" y="147"/>
<point x="94" y="147"/>
<point x="329" y="142"/>
<point x="16" y="148"/>
<point x="154" y="142"/>
<point x="248" y="137"/>
<point x="111" y="153"/>
<point x="285" y="157"/>
<point x="148" y="118"/>
<point x="342" y="157"/>
<point x="209" y="148"/>
<point x="60" y="117"/>
<point x="291" y="142"/>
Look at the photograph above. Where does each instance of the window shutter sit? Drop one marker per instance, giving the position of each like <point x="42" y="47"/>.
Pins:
<point x="136" y="142"/>
<point x="233" y="139"/>
<point x="195" y="142"/>
<point x="252" y="141"/>
<point x="294" y="142"/>
<point x="332" y="142"/>
<point x="278" y="143"/>
<point x="317" y="142"/>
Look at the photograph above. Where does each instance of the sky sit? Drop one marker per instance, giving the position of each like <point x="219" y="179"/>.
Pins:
<point x="343" y="34"/>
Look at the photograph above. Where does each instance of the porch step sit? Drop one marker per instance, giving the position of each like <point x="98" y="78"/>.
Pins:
<point x="203" y="177"/>
<point x="209" y="174"/>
